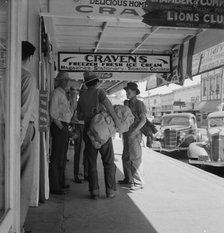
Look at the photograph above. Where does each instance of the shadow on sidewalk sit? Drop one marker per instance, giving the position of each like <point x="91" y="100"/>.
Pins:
<point x="77" y="213"/>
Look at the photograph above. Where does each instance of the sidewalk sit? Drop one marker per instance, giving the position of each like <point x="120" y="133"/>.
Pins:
<point x="177" y="198"/>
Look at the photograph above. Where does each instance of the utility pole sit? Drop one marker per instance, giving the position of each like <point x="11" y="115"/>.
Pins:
<point x="221" y="94"/>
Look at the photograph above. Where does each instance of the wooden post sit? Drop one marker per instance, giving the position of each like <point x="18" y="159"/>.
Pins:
<point x="221" y="93"/>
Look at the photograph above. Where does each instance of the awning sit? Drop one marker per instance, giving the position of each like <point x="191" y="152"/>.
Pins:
<point x="179" y="103"/>
<point x="210" y="106"/>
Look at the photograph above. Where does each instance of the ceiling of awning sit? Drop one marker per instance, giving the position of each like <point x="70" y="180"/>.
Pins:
<point x="111" y="35"/>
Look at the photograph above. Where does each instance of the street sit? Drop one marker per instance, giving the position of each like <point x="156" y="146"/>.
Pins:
<point x="182" y="156"/>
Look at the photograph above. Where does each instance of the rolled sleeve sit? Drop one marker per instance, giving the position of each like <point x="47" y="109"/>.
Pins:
<point x="54" y="110"/>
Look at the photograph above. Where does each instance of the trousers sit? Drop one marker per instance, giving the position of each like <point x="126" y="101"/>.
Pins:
<point x="132" y="158"/>
<point x="27" y="167"/>
<point x="80" y="155"/>
<point x="58" y="159"/>
<point x="107" y="156"/>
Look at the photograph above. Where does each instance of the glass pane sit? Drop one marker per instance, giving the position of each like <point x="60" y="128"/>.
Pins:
<point x="3" y="61"/>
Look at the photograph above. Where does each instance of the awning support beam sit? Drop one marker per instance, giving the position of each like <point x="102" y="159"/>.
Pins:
<point x="144" y="39"/>
<point x="104" y="25"/>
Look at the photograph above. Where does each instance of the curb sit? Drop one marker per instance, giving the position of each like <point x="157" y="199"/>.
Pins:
<point x="196" y="171"/>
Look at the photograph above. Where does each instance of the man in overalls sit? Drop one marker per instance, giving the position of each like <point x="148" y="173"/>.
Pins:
<point x="132" y="151"/>
<point x="85" y="111"/>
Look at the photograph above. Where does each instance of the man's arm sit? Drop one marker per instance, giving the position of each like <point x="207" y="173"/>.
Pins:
<point x="54" y="112"/>
<point x="111" y="111"/>
<point x="79" y="112"/>
<point x="27" y="103"/>
<point x="142" y="117"/>
<point x="73" y="102"/>
<point x="141" y="122"/>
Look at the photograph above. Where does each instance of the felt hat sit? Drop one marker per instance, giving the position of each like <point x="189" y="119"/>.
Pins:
<point x="62" y="75"/>
<point x="132" y="86"/>
<point x="89" y="76"/>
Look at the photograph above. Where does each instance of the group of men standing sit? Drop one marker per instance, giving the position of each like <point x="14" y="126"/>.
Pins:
<point x="87" y="107"/>
<point x="62" y="111"/>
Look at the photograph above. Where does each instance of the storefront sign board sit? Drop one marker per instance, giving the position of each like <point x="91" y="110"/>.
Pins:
<point x="112" y="8"/>
<point x="135" y="63"/>
<point x="43" y="111"/>
<point x="208" y="59"/>
<point x="185" y="13"/>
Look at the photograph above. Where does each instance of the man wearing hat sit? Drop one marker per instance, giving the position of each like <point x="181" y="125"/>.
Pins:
<point x="132" y="152"/>
<point x="87" y="108"/>
<point x="61" y="111"/>
<point x="79" y="145"/>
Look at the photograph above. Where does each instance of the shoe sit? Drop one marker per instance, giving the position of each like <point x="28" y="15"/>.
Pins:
<point x="136" y="187"/>
<point x="94" y="196"/>
<point x="111" y="195"/>
<point x="77" y="180"/>
<point x="24" y="231"/>
<point x="124" y="181"/>
<point x="58" y="192"/>
<point x="67" y="186"/>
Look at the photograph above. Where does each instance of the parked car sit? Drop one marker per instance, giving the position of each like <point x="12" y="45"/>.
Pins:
<point x="210" y="151"/>
<point x="177" y="132"/>
<point x="157" y="120"/>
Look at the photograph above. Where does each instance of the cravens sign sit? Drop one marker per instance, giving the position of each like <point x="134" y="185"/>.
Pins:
<point x="185" y="13"/>
<point x="135" y="63"/>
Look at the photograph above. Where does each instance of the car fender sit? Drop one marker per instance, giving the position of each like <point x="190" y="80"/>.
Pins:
<point x="195" y="149"/>
<point x="188" y="140"/>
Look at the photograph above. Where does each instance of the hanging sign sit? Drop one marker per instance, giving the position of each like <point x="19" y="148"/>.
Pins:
<point x="208" y="59"/>
<point x="113" y="8"/>
<point x="154" y="81"/>
<point x="139" y="63"/>
<point x="43" y="111"/>
<point x="185" y="13"/>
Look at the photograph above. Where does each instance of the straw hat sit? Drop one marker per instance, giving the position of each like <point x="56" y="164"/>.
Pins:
<point x="90" y="76"/>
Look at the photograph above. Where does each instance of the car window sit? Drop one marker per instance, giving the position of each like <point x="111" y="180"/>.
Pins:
<point x="176" y="121"/>
<point x="216" y="122"/>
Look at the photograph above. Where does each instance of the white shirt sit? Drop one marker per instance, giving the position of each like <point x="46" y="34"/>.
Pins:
<point x="60" y="108"/>
<point x="28" y="93"/>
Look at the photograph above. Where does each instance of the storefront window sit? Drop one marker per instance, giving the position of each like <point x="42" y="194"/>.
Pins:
<point x="3" y="66"/>
<point x="204" y="86"/>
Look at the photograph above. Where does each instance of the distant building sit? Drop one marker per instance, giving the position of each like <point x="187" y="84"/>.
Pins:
<point x="179" y="100"/>
<point x="187" y="98"/>
<point x="210" y="93"/>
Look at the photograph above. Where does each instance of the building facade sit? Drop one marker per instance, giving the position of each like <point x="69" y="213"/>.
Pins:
<point x="179" y="100"/>
<point x="187" y="98"/>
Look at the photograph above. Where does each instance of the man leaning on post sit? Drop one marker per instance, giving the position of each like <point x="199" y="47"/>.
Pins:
<point x="86" y="105"/>
<point x="28" y="92"/>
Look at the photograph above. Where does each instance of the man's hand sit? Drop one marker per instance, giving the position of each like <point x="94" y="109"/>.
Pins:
<point x="133" y="133"/>
<point x="118" y="125"/>
<point x="59" y="124"/>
